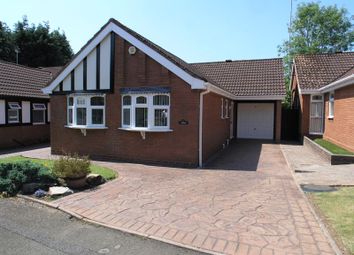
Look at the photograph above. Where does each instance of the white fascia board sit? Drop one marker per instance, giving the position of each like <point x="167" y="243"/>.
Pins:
<point x="219" y="91"/>
<point x="349" y="80"/>
<point x="194" y="82"/>
<point x="240" y="98"/>
<point x="310" y="91"/>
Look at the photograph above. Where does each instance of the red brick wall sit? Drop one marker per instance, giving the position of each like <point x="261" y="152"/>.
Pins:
<point x="179" y="146"/>
<point x="340" y="129"/>
<point x="215" y="129"/>
<point x="15" y="136"/>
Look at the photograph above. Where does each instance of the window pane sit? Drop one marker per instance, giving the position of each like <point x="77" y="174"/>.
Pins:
<point x="81" y="116"/>
<point x="70" y="116"/>
<point x="97" y="116"/>
<point x="80" y="101"/>
<point x="127" y="100"/>
<point x="161" y="117"/>
<point x="126" y="117"/>
<point x="13" y="115"/>
<point x="141" y="100"/>
<point x="38" y="116"/>
<point x="97" y="101"/>
<point x="161" y="100"/>
<point x="39" y="106"/>
<point x="71" y="101"/>
<point x="141" y="117"/>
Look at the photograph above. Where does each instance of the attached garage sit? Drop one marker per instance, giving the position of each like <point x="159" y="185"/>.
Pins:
<point x="255" y="120"/>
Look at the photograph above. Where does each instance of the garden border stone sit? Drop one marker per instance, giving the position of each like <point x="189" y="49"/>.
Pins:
<point x="333" y="159"/>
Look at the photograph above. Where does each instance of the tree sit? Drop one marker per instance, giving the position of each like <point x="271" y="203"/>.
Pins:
<point x="37" y="44"/>
<point x="316" y="29"/>
<point x="6" y="43"/>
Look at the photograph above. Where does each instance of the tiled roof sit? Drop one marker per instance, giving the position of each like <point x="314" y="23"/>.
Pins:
<point x="53" y="69"/>
<point x="262" y="77"/>
<point x="17" y="80"/>
<point x="242" y="78"/>
<point x="318" y="70"/>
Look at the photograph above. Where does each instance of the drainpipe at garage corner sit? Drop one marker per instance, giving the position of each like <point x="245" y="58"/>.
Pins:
<point x="201" y="101"/>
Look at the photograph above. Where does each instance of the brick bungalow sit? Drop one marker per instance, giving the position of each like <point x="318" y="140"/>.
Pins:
<point x="123" y="97"/>
<point x="323" y="88"/>
<point x="24" y="109"/>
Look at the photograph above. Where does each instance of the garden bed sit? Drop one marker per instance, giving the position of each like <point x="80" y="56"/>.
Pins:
<point x="46" y="178"/>
<point x="330" y="152"/>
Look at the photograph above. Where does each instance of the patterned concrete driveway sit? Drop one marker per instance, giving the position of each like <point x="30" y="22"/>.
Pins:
<point x="245" y="203"/>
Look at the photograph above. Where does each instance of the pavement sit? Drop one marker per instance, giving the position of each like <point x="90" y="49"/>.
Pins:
<point x="32" y="229"/>
<point x="244" y="202"/>
<point x="310" y="168"/>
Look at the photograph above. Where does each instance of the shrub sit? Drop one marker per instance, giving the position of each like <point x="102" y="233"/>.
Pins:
<point x="14" y="175"/>
<point x="71" y="166"/>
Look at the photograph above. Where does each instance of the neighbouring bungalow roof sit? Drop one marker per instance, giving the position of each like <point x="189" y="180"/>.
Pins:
<point x="261" y="77"/>
<point x="318" y="70"/>
<point x="241" y="78"/>
<point x="23" y="81"/>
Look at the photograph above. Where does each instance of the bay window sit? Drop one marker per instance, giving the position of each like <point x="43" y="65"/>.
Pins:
<point x="146" y="112"/>
<point x="86" y="111"/>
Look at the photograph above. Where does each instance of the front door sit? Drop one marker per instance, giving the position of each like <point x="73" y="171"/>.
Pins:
<point x="316" y="115"/>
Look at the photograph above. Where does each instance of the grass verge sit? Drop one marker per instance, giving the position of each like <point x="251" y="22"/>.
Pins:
<point x="337" y="209"/>
<point x="107" y="173"/>
<point x="335" y="149"/>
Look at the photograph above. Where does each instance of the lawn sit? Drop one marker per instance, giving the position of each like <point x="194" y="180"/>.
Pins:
<point x="335" y="149"/>
<point x="107" y="173"/>
<point x="338" y="210"/>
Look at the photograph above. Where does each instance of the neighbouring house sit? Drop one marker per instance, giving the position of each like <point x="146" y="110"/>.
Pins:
<point x="323" y="89"/>
<point x="24" y="108"/>
<point x="123" y="97"/>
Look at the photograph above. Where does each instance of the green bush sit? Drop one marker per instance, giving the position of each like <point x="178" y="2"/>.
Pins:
<point x="71" y="166"/>
<point x="14" y="175"/>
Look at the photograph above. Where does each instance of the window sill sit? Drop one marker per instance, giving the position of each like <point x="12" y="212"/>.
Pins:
<point x="86" y="127"/>
<point x="36" y="124"/>
<point x="146" y="129"/>
<point x="330" y="117"/>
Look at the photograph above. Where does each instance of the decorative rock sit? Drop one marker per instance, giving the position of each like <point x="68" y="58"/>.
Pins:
<point x="95" y="179"/>
<point x="40" y="193"/>
<point x="57" y="191"/>
<point x="30" y="188"/>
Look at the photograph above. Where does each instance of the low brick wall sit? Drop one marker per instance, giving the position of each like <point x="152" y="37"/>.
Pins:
<point x="327" y="155"/>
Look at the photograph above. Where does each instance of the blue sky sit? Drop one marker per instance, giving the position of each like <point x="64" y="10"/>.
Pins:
<point x="195" y="30"/>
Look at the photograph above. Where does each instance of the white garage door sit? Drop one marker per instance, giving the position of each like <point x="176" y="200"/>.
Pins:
<point x="255" y="120"/>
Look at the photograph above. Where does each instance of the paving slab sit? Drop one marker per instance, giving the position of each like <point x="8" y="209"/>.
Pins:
<point x="310" y="168"/>
<point x="232" y="207"/>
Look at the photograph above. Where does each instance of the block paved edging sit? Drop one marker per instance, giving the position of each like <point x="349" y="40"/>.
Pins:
<point x="331" y="158"/>
<point x="129" y="231"/>
<point x="318" y="219"/>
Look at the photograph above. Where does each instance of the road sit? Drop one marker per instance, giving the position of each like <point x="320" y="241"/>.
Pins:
<point x="29" y="228"/>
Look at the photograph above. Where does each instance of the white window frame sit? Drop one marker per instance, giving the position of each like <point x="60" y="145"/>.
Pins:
<point x="87" y="105"/>
<point x="313" y="100"/>
<point x="151" y="112"/>
<point x="226" y="109"/>
<point x="331" y="105"/>
<point x="14" y="106"/>
<point x="39" y="107"/>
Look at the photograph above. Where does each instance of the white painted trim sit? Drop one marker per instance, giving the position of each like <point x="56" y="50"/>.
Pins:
<point x="201" y="104"/>
<point x="146" y="129"/>
<point x="255" y="98"/>
<point x="85" y="127"/>
<point x="310" y="91"/>
<point x="194" y="82"/>
<point x="349" y="80"/>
